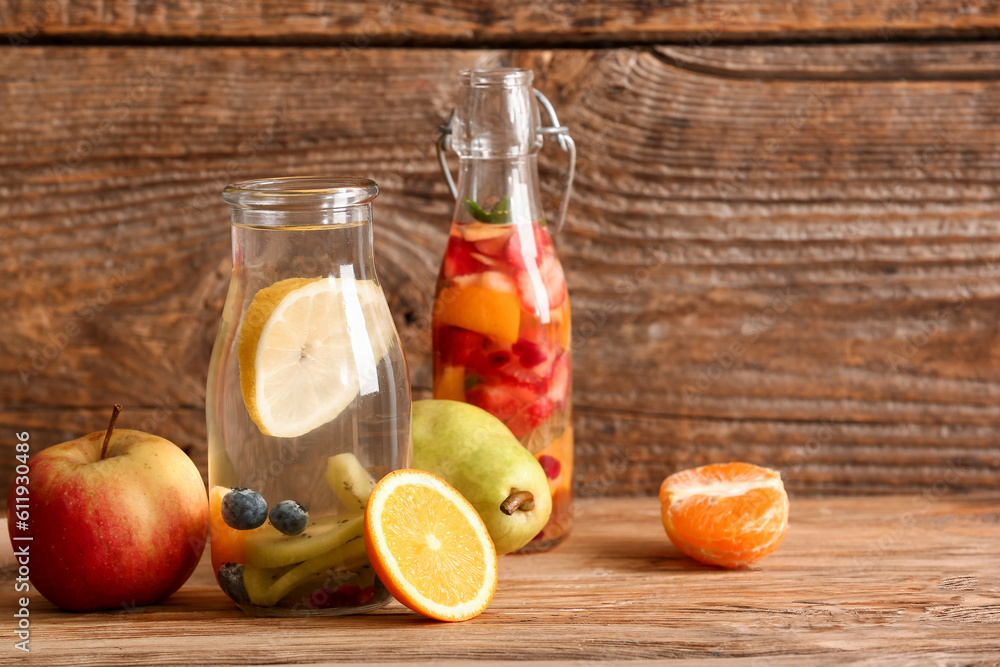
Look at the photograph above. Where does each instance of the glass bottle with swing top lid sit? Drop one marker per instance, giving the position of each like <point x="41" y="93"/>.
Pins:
<point x="501" y="317"/>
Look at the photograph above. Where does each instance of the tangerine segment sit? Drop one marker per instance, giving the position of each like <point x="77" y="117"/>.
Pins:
<point x="429" y="546"/>
<point x="481" y="309"/>
<point x="227" y="543"/>
<point x="727" y="514"/>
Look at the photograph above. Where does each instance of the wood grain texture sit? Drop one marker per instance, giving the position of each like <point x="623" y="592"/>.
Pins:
<point x="909" y="581"/>
<point x="360" y="23"/>
<point x="774" y="253"/>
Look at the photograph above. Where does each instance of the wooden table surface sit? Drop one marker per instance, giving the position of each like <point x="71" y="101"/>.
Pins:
<point x="875" y="580"/>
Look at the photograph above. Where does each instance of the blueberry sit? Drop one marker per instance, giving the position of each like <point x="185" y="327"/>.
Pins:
<point x="231" y="582"/>
<point x="243" y="509"/>
<point x="289" y="517"/>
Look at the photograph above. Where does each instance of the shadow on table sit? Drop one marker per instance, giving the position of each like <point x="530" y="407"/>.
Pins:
<point x="644" y="554"/>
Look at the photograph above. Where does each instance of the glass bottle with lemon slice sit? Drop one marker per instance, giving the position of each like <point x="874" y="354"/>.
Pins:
<point x="308" y="400"/>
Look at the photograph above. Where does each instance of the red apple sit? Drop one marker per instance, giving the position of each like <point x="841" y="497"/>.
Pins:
<point x="116" y="520"/>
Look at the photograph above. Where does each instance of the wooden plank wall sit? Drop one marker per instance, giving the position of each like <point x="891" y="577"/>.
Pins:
<point x="783" y="245"/>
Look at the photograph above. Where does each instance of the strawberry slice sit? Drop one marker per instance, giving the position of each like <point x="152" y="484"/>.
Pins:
<point x="494" y="247"/>
<point x="524" y="249"/>
<point x="555" y="281"/>
<point x="497" y="363"/>
<point x="531" y="416"/>
<point x="459" y="260"/>
<point x="488" y="239"/>
<point x="524" y="363"/>
<point x="458" y="347"/>
<point x="503" y="400"/>
<point x="544" y="290"/>
<point x="558" y="390"/>
<point x="498" y="281"/>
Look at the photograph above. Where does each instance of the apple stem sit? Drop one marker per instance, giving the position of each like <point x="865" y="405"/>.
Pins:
<point x="111" y="428"/>
<point x="517" y="500"/>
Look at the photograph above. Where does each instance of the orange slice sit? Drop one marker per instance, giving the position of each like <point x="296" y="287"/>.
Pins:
<point x="429" y="547"/>
<point x="727" y="514"/>
<point x="565" y="330"/>
<point x="450" y="384"/>
<point x="561" y="449"/>
<point x="226" y="542"/>
<point x="480" y="309"/>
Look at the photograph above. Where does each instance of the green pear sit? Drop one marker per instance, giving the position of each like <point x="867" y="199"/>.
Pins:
<point x="478" y="455"/>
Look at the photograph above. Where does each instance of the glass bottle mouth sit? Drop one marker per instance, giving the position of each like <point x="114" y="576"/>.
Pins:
<point x="507" y="77"/>
<point x="301" y="193"/>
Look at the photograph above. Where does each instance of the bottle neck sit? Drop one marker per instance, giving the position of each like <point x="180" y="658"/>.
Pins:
<point x="498" y="185"/>
<point x="304" y="244"/>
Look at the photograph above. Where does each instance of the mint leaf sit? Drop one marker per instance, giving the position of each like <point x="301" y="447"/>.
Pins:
<point x="498" y="216"/>
<point x="501" y="212"/>
<point x="476" y="211"/>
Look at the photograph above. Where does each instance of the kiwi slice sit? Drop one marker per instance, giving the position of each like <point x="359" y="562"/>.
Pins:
<point x="266" y="586"/>
<point x="267" y="548"/>
<point x="349" y="480"/>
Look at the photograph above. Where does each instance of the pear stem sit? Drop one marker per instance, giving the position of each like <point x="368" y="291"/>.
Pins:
<point x="517" y="500"/>
<point x="111" y="428"/>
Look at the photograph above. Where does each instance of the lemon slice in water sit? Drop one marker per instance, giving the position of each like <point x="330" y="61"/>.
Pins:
<point x="307" y="347"/>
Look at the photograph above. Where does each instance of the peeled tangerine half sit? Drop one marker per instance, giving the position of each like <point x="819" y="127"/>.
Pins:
<point x="726" y="514"/>
<point x="302" y="360"/>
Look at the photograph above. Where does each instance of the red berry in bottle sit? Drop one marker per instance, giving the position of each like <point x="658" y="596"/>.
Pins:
<point x="324" y="598"/>
<point x="366" y="595"/>
<point x="550" y="465"/>
<point x="529" y="352"/>
<point x="349" y="593"/>
<point x="499" y="358"/>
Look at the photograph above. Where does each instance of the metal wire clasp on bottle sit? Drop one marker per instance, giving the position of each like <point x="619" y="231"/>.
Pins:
<point x="553" y="129"/>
